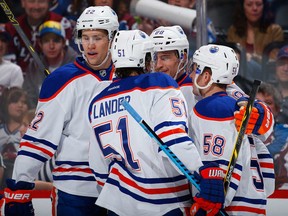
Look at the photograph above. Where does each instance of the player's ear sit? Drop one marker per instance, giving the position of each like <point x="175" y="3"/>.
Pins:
<point x="207" y="75"/>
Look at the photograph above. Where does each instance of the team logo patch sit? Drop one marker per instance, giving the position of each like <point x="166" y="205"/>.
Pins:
<point x="214" y="49"/>
<point x="103" y="73"/>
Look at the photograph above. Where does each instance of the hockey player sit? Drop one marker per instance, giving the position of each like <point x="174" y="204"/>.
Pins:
<point x="170" y="53"/>
<point x="214" y="132"/>
<point x="60" y="125"/>
<point x="137" y="178"/>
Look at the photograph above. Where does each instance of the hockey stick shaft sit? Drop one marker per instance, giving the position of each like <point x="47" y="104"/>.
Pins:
<point x="241" y="134"/>
<point x="23" y="36"/>
<point x="163" y="146"/>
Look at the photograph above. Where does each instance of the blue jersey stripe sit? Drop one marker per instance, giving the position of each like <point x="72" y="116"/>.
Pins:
<point x="32" y="155"/>
<point x="73" y="177"/>
<point x="247" y="200"/>
<point x="42" y="141"/>
<point x="72" y="163"/>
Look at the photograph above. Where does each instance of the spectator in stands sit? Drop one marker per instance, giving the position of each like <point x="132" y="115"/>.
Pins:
<point x="281" y="168"/>
<point x="272" y="97"/>
<point x="36" y="13"/>
<point x="10" y="73"/>
<point x="13" y="105"/>
<point x="55" y="53"/>
<point x="77" y="7"/>
<point x="63" y="8"/>
<point x="253" y="27"/>
<point x="281" y="82"/>
<point x="277" y="140"/>
<point x="126" y="21"/>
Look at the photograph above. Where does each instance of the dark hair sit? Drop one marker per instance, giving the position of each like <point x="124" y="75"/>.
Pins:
<point x="10" y="95"/>
<point x="126" y="72"/>
<point x="240" y="20"/>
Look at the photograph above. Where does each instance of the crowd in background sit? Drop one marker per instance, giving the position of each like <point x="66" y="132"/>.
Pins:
<point x="257" y="33"/>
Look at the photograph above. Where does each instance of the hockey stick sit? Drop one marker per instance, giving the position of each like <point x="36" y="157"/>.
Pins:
<point x="164" y="147"/>
<point x="15" y="23"/>
<point x="241" y="134"/>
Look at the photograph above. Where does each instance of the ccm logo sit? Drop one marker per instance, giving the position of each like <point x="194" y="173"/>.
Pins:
<point x="17" y="196"/>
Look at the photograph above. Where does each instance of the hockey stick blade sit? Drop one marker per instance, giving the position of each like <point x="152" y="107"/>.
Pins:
<point x="19" y="30"/>
<point x="241" y="134"/>
<point x="164" y="147"/>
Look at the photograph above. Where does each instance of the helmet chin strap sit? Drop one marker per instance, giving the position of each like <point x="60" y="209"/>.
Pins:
<point x="180" y="69"/>
<point x="201" y="87"/>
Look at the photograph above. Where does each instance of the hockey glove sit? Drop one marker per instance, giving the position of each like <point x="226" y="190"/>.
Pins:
<point x="211" y="196"/>
<point x="18" y="198"/>
<point x="261" y="117"/>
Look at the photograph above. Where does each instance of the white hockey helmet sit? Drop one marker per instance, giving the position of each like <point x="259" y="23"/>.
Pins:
<point x="129" y="48"/>
<point x="166" y="38"/>
<point x="97" y="17"/>
<point x="222" y="60"/>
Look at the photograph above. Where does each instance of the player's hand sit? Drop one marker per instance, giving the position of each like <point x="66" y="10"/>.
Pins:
<point x="18" y="198"/>
<point x="261" y="117"/>
<point x="211" y="196"/>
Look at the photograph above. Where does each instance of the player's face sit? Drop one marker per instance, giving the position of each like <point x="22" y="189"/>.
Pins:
<point x="167" y="62"/>
<point x="253" y="10"/>
<point x="282" y="70"/>
<point x="52" y="46"/>
<point x="96" y="45"/>
<point x="35" y="9"/>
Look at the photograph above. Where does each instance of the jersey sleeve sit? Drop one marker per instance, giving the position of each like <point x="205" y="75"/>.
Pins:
<point x="44" y="133"/>
<point x="169" y="117"/>
<point x="266" y="165"/>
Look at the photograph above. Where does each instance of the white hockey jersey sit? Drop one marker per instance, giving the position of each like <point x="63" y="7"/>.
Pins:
<point x="214" y="133"/>
<point x="137" y="177"/>
<point x="61" y="125"/>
